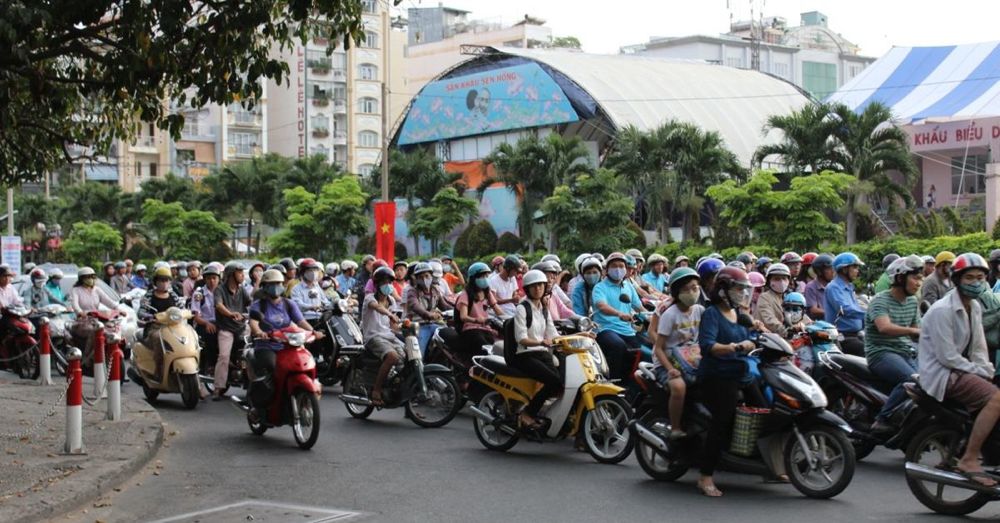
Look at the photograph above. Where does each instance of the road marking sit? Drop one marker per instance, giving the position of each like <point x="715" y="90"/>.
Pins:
<point x="259" y="510"/>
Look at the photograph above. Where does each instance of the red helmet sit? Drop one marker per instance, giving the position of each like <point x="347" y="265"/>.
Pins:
<point x="791" y="257"/>
<point x="729" y="277"/>
<point x="807" y="258"/>
<point x="379" y="263"/>
<point x="969" y="260"/>
<point x="308" y="263"/>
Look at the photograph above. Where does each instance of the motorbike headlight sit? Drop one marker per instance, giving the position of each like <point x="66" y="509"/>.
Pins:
<point x="296" y="339"/>
<point x="585" y="324"/>
<point x="175" y="315"/>
<point x="808" y="389"/>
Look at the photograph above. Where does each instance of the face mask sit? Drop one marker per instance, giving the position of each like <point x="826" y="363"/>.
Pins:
<point x="309" y="276"/>
<point x="274" y="289"/>
<point x="38" y="283"/>
<point x="688" y="298"/>
<point x="182" y="273"/>
<point x="616" y="274"/>
<point x="89" y="282"/>
<point x="482" y="283"/>
<point x="972" y="290"/>
<point x="386" y="289"/>
<point x="325" y="284"/>
<point x="425" y="282"/>
<point x="592" y="279"/>
<point x="739" y="297"/>
<point x="779" y="286"/>
<point x="792" y="318"/>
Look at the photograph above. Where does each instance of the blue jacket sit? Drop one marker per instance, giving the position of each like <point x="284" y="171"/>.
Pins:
<point x="840" y="297"/>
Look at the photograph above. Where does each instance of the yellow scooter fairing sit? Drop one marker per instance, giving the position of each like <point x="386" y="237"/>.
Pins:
<point x="588" y="394"/>
<point x="173" y="316"/>
<point x="187" y="365"/>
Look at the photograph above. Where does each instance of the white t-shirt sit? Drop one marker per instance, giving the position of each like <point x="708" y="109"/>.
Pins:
<point x="679" y="327"/>
<point x="504" y="290"/>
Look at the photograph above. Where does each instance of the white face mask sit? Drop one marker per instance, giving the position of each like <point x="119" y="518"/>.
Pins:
<point x="425" y="281"/>
<point x="779" y="286"/>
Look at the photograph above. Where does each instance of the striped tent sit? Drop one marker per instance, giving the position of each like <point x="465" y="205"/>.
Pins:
<point x="958" y="81"/>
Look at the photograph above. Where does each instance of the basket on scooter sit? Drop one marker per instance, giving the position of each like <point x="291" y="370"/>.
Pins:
<point x="746" y="430"/>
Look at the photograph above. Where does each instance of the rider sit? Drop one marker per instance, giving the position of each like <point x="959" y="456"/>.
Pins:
<point x="424" y="304"/>
<point x="583" y="294"/>
<point x="682" y="261"/>
<point x="377" y="325"/>
<point x="762" y="264"/>
<point x="938" y="284"/>
<point x="556" y="308"/>
<point x="533" y="355"/>
<point x="841" y="307"/>
<point x="54" y="285"/>
<point x="656" y="277"/>
<point x="291" y="275"/>
<point x="578" y="278"/>
<point x="793" y="261"/>
<point x="329" y="281"/>
<point x="993" y="278"/>
<point x="707" y="270"/>
<point x="757" y="282"/>
<point x="892" y="321"/>
<point x="504" y="285"/>
<point x="822" y="267"/>
<point x="884" y="281"/>
<point x="399" y="284"/>
<point x="231" y="302"/>
<point x="806" y="275"/>
<point x="928" y="266"/>
<point x="471" y="308"/>
<point x="556" y="289"/>
<point x="953" y="360"/>
<point x="120" y="282"/>
<point x="139" y="277"/>
<point x="794" y="307"/>
<point x="8" y="293"/>
<point x="615" y="303"/>
<point x="308" y="295"/>
<point x="770" y="305"/>
<point x="723" y="370"/>
<point x="193" y="278"/>
<point x="203" y="308"/>
<point x="37" y="295"/>
<point x="677" y="327"/>
<point x="346" y="281"/>
<point x="156" y="300"/>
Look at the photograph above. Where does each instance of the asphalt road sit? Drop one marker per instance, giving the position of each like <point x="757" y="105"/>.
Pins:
<point x="388" y="469"/>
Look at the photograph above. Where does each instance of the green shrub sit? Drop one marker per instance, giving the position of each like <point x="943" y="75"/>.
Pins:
<point x="509" y="242"/>
<point x="476" y="240"/>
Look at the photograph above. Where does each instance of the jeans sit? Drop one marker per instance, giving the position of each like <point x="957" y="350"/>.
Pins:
<point x="896" y="369"/>
<point x="615" y="347"/>
<point x="425" y="334"/>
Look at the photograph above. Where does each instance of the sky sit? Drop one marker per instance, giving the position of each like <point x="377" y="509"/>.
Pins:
<point x="874" y="25"/>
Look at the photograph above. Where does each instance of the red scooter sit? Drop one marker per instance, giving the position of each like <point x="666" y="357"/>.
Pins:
<point x="17" y="349"/>
<point x="293" y="390"/>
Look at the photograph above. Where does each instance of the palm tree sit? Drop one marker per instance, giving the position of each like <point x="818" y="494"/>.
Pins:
<point x="532" y="168"/>
<point x="806" y="144"/>
<point x="643" y="161"/>
<point x="250" y="190"/>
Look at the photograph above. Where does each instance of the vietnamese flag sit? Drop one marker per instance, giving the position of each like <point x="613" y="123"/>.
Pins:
<point x="385" y="231"/>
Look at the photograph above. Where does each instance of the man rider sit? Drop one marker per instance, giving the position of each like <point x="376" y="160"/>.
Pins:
<point x="793" y="261"/>
<point x="424" y="304"/>
<point x="504" y="285"/>
<point x="953" y="360"/>
<point x="885" y="281"/>
<point x="203" y="308"/>
<point x="892" y="321"/>
<point x="231" y="303"/>
<point x="841" y="307"/>
<point x="54" y="285"/>
<point x="8" y="293"/>
<point x="120" y="282"/>
<point x="346" y="281"/>
<point x="938" y="284"/>
<point x="928" y="266"/>
<point x="377" y="326"/>
<point x="308" y="295"/>
<point x="139" y="277"/>
<point x="656" y="277"/>
<point x="615" y="303"/>
<point x="815" y="294"/>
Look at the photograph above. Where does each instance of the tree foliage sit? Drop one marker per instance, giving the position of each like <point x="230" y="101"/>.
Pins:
<point x="90" y="243"/>
<point x="590" y="214"/>
<point x="179" y="233"/>
<point x="478" y="239"/>
<point x="567" y="42"/>
<point x="797" y="217"/>
<point x="319" y="225"/>
<point x="447" y="210"/>
<point x="87" y="71"/>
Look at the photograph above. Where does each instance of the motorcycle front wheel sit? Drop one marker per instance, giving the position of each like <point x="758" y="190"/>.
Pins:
<point x="305" y="426"/>
<point x="832" y="467"/>
<point x="28" y="365"/>
<point x="605" y="429"/>
<point x="938" y="446"/>
<point x="441" y="404"/>
<point x="189" y="390"/>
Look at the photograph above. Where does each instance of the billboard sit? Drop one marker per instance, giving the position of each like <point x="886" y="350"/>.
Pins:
<point x="490" y="101"/>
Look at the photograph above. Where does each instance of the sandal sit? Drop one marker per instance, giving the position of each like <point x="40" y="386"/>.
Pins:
<point x="710" y="491"/>
<point x="977" y="476"/>
<point x="535" y="424"/>
<point x="377" y="401"/>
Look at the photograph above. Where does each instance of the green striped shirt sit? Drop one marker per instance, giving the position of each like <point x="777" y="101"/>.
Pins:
<point x="903" y="314"/>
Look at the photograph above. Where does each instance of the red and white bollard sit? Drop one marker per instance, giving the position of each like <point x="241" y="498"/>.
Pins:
<point x="44" y="353"/>
<point x="115" y="383"/>
<point x="74" y="403"/>
<point x="99" y="371"/>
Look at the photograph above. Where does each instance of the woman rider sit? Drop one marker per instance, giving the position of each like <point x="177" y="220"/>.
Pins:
<point x="424" y="304"/>
<point x="472" y="306"/>
<point x="723" y="370"/>
<point x="533" y="355"/>
<point x="158" y="299"/>
<point x="583" y="302"/>
<point x="86" y="297"/>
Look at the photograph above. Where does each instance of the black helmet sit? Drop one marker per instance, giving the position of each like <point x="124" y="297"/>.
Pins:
<point x="279" y="267"/>
<point x="821" y="262"/>
<point x="512" y="262"/>
<point x="994" y="255"/>
<point x="288" y="264"/>
<point x="383" y="275"/>
<point x="888" y="259"/>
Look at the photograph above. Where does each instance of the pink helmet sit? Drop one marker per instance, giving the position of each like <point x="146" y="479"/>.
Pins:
<point x="756" y="279"/>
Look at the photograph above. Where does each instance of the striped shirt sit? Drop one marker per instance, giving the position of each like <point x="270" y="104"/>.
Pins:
<point x="903" y="314"/>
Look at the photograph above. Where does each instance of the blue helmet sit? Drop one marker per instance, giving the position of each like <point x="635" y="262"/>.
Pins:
<point x="708" y="267"/>
<point x="795" y="298"/>
<point x="478" y="268"/>
<point x="846" y="259"/>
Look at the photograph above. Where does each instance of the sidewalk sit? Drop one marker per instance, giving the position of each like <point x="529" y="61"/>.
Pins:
<point x="37" y="481"/>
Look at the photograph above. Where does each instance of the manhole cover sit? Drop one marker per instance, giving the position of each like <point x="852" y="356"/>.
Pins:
<point x="267" y="511"/>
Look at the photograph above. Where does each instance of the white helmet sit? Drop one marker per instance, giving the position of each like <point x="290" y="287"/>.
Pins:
<point x="332" y="269"/>
<point x="578" y="262"/>
<point x="905" y="265"/>
<point x="436" y="269"/>
<point x="535" y="276"/>
<point x="551" y="258"/>
<point x="140" y="267"/>
<point x="348" y="265"/>
<point x="778" y="269"/>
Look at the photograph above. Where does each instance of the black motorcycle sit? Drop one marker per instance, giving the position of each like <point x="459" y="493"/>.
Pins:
<point x="427" y="392"/>
<point x="796" y="436"/>
<point x="446" y="349"/>
<point x="342" y="341"/>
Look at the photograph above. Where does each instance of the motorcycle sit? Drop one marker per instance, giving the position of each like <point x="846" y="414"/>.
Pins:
<point x="934" y="451"/>
<point x="59" y="319"/>
<point x="428" y="392"/>
<point x="343" y="340"/>
<point x="445" y="348"/>
<point x="291" y="394"/>
<point x="589" y="405"/>
<point x="178" y="370"/>
<point x="19" y="348"/>
<point x="237" y="374"/>
<point x="797" y="436"/>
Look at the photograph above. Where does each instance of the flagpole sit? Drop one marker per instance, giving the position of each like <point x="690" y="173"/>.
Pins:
<point x="385" y="103"/>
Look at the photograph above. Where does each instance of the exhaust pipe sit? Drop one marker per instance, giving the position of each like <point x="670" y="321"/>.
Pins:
<point x="648" y="436"/>
<point x="492" y="420"/>
<point x="944" y="477"/>
<point x="238" y="403"/>
<point x="356" y="400"/>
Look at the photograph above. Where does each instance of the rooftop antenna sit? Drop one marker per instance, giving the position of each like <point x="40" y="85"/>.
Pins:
<point x="755" y="37"/>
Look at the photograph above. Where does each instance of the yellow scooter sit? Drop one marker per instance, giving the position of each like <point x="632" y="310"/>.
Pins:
<point x="175" y="343"/>
<point x="589" y="405"/>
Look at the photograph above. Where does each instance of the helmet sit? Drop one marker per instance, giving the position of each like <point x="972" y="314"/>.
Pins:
<point x="846" y="259"/>
<point x="288" y="264"/>
<point x="162" y="272"/>
<point x="421" y="268"/>
<point x="399" y="263"/>
<point x="534" y="277"/>
<point x="119" y="265"/>
<point x="637" y="254"/>
<point x="211" y="269"/>
<point x="730" y="277"/>
<point x="367" y="258"/>
<point x="272" y="276"/>
<point x="630" y="261"/>
<point x="590" y="263"/>
<point x="332" y="268"/>
<point x="578" y="262"/>
<point x="944" y="257"/>
<point x="436" y="269"/>
<point x="791" y="257"/>
<point x="708" y="267"/>
<point x="551" y="258"/>
<point x="383" y="275"/>
<point x="822" y="262"/>
<point x="615" y="256"/>
<point x="159" y="264"/>
<point x="599" y="256"/>
<point x="794" y="298"/>
<point x="807" y="258"/>
<point x="37" y="274"/>
<point x="235" y="266"/>
<point x="475" y="270"/>
<point x="994" y="255"/>
<point x="680" y="276"/>
<point x="756" y="279"/>
<point x="138" y="268"/>
<point x="278" y="267"/>
<point x="716" y="255"/>
<point x="309" y="263"/>
<point x="738" y="264"/>
<point x="379" y="263"/>
<point x="656" y="258"/>
<point x="888" y="259"/>
<point x="512" y="262"/>
<point x="967" y="261"/>
<point x="82" y="273"/>
<point x="28" y="267"/>
<point x="928" y="259"/>
<point x="348" y="265"/>
<point x="903" y="266"/>
<point x="746" y="258"/>
<point x="778" y="269"/>
<point x="196" y="264"/>
<point x="546" y="266"/>
<point x="57" y="273"/>
<point x="762" y="261"/>
<point x="681" y="258"/>
<point x="496" y="261"/>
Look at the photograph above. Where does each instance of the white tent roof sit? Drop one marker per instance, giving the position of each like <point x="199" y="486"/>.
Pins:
<point x="645" y="92"/>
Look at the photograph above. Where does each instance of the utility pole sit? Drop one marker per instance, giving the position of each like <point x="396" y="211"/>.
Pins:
<point x="385" y="103"/>
<point x="10" y="211"/>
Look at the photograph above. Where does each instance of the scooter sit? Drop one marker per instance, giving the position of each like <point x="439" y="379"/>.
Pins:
<point x="291" y="395"/>
<point x="18" y="348"/>
<point x="942" y="432"/>
<point x="589" y="405"/>
<point x="445" y="349"/>
<point x="796" y="436"/>
<point x="429" y="393"/>
<point x="178" y="371"/>
<point x="59" y="319"/>
<point x="343" y="340"/>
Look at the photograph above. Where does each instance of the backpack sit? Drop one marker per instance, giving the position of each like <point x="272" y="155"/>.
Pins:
<point x="509" y="340"/>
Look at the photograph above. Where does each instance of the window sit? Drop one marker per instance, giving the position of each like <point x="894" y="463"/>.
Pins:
<point x="319" y="89"/>
<point x="854" y="70"/>
<point x="368" y="72"/>
<point x="320" y="122"/>
<point x="368" y="105"/>
<point x="368" y="139"/>
<point x="368" y="6"/>
<point x="192" y="124"/>
<point x="819" y="79"/>
<point x="152" y="170"/>
<point x="242" y="144"/>
<point x="317" y="60"/>
<point x="370" y="41"/>
<point x="366" y="169"/>
<point x="735" y="61"/>
<point x="779" y="69"/>
<point x="973" y="179"/>
<point x="320" y="150"/>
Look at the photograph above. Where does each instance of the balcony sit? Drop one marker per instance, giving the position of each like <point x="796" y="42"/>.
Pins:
<point x="340" y="106"/>
<point x="319" y="66"/>
<point x="320" y="132"/>
<point x="340" y="138"/>
<point x="252" y="119"/>
<point x="243" y="151"/>
<point x="321" y="99"/>
<point x="340" y="75"/>
<point x="144" y="142"/>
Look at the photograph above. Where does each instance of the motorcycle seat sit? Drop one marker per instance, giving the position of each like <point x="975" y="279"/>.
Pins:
<point x="854" y="365"/>
<point x="497" y="365"/>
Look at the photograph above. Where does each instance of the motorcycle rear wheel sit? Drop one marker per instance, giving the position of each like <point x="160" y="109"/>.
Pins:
<point x="653" y="463"/>
<point x="491" y="436"/>
<point x="189" y="390"/>
<point x="258" y="428"/>
<point x="441" y="405"/>
<point x="359" y="411"/>
<point x="28" y="365"/>
<point x="940" y="446"/>
<point x="306" y="428"/>
<point x="840" y="402"/>
<point x="613" y="443"/>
